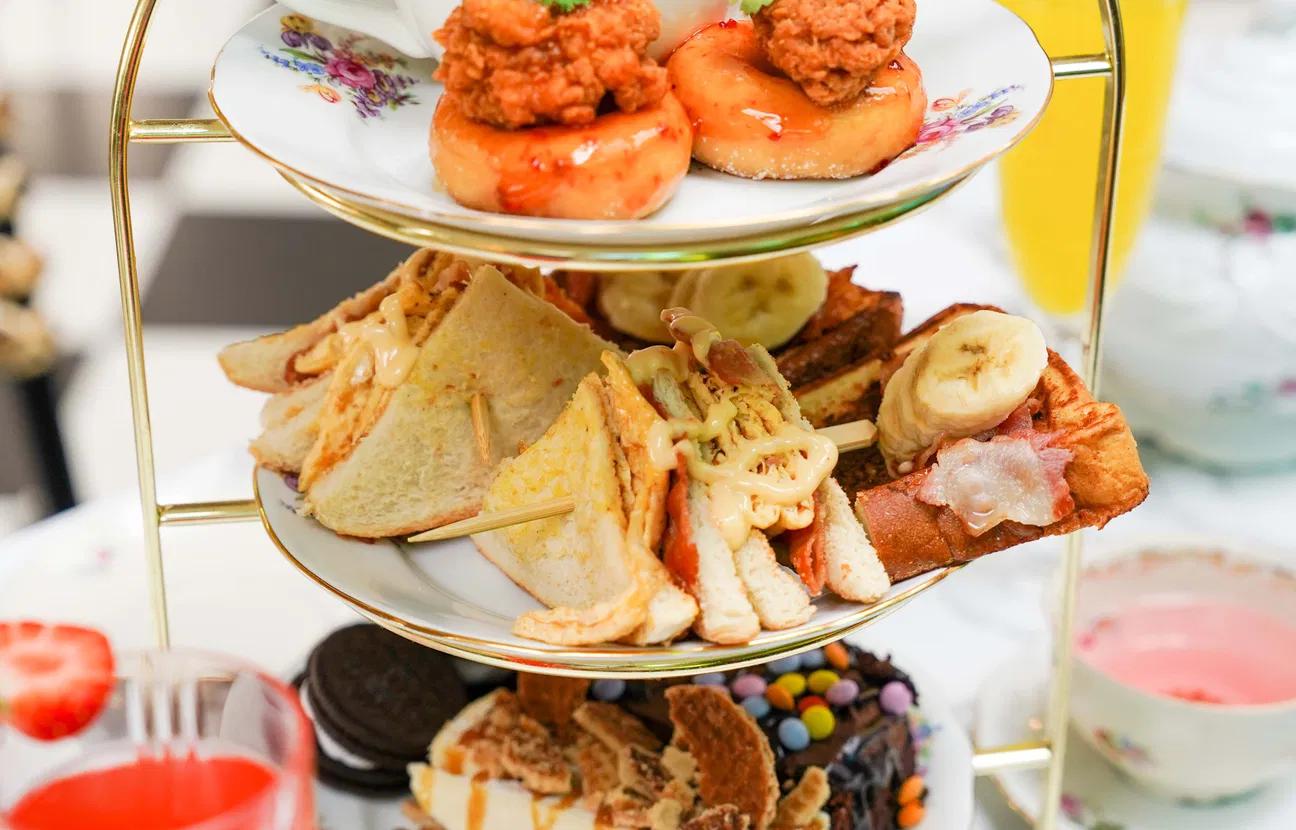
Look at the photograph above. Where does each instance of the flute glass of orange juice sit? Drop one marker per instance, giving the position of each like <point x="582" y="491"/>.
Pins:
<point x="1049" y="180"/>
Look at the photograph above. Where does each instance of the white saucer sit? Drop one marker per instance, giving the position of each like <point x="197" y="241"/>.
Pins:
<point x="291" y="97"/>
<point x="448" y="596"/>
<point x="1095" y="795"/>
<point x="944" y="761"/>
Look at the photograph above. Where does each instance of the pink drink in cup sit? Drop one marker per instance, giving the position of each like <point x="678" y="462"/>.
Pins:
<point x="185" y="740"/>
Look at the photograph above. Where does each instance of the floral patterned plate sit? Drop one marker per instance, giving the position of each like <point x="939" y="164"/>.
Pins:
<point x="1095" y="795"/>
<point x="349" y="114"/>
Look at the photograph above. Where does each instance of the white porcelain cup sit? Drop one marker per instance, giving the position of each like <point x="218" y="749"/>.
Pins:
<point x="408" y="24"/>
<point x="1181" y="749"/>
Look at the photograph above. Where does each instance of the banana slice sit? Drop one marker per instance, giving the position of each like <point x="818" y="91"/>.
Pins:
<point x="763" y="302"/>
<point x="970" y="376"/>
<point x="632" y="302"/>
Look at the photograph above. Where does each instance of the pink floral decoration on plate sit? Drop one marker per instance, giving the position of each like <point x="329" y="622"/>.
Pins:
<point x="343" y="69"/>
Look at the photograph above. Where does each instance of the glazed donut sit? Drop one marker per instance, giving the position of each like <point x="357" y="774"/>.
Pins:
<point x="749" y="120"/>
<point x="623" y="165"/>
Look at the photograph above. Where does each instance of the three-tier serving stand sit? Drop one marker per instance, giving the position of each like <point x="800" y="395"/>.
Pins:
<point x="1048" y="753"/>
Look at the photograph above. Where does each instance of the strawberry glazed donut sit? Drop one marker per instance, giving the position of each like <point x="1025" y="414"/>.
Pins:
<point x="812" y="89"/>
<point x="555" y="109"/>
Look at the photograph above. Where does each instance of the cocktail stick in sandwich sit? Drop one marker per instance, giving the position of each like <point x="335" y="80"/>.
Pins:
<point x="747" y="469"/>
<point x="986" y="439"/>
<point x="596" y="567"/>
<point x="394" y="408"/>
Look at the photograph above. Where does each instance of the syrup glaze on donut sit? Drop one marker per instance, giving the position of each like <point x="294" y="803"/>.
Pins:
<point x="624" y="165"/>
<point x="751" y="120"/>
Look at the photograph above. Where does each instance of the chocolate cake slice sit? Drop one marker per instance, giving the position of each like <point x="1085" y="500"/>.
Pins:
<point x="868" y="755"/>
<point x="821" y="741"/>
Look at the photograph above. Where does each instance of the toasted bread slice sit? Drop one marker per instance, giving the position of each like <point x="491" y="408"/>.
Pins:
<point x="1105" y="478"/>
<point x="416" y="463"/>
<point x="290" y="423"/>
<point x="671" y="610"/>
<point x="777" y="594"/>
<point x="586" y="565"/>
<point x="265" y="364"/>
<point x="695" y="552"/>
<point x="854" y="571"/>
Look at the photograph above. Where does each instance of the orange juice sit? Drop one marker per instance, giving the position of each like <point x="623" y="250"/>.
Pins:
<point x="1049" y="180"/>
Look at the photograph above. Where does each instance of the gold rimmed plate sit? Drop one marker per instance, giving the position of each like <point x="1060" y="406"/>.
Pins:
<point x="348" y="117"/>
<point x="449" y="597"/>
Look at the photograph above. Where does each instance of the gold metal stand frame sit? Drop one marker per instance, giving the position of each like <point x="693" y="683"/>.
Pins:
<point x="1049" y="753"/>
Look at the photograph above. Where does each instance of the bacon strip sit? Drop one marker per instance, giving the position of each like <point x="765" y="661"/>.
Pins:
<point x="679" y="552"/>
<point x="1016" y="478"/>
<point x="806" y="549"/>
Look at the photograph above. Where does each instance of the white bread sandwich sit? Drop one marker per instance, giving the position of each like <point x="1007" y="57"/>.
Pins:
<point x="406" y="397"/>
<point x="751" y="487"/>
<point x="597" y="567"/>
<point x="752" y="481"/>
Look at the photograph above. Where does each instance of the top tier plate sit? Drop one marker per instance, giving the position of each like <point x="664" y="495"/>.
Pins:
<point x="352" y="134"/>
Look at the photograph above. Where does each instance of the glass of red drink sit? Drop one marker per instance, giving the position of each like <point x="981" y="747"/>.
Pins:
<point x="187" y="740"/>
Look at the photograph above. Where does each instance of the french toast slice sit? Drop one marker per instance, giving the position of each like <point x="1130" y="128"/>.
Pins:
<point x="1105" y="478"/>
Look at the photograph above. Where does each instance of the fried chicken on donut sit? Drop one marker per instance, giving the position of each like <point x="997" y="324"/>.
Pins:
<point x="811" y="89"/>
<point x="833" y="48"/>
<point x="548" y="112"/>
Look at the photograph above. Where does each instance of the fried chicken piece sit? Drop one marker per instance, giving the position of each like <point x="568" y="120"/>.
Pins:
<point x="832" y="48"/>
<point x="517" y="63"/>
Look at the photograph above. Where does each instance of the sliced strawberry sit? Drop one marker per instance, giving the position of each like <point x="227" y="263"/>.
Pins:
<point x="54" y="679"/>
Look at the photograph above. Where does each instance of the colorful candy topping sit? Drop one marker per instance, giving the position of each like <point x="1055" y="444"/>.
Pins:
<point x="812" y="660"/>
<point x="843" y="692"/>
<point x="819" y="722"/>
<point x="710" y="679"/>
<point x="793" y="734"/>
<point x="911" y="790"/>
<point x="794" y="682"/>
<point x="608" y="690"/>
<point x="780" y="698"/>
<point x="911" y="815"/>
<point x="748" y="685"/>
<point x="756" y="706"/>
<point x="837" y="656"/>
<point x="895" y="698"/>
<point x="783" y="665"/>
<point x="822" y="680"/>
<point x="810" y="700"/>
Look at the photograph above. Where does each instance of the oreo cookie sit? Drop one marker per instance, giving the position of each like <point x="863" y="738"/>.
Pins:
<point x="376" y="700"/>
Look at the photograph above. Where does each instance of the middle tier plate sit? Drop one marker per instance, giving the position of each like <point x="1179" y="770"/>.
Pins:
<point x="448" y="596"/>
<point x="349" y="117"/>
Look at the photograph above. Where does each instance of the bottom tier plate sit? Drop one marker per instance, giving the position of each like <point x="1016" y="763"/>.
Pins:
<point x="944" y="761"/>
<point x="447" y="596"/>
